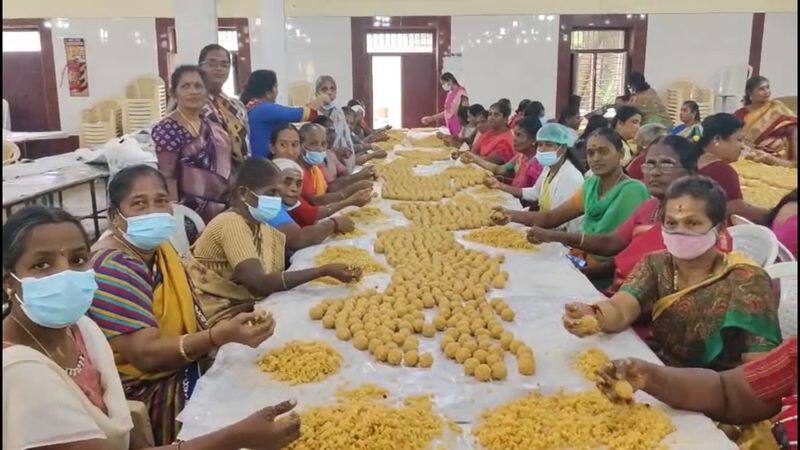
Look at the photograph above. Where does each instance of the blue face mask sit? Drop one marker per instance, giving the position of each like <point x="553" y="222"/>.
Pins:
<point x="149" y="231"/>
<point x="328" y="107"/>
<point x="268" y="208"/>
<point x="547" y="159"/>
<point x="59" y="300"/>
<point x="314" y="158"/>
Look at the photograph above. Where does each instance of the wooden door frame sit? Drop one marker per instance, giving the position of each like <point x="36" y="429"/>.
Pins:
<point x="362" y="69"/>
<point x="166" y="43"/>
<point x="50" y="93"/>
<point x="635" y="37"/>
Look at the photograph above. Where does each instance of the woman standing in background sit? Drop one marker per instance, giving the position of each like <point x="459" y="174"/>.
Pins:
<point x="215" y="62"/>
<point x="193" y="149"/>
<point x="456" y="96"/>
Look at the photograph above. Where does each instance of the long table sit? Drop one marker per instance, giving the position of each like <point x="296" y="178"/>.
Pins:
<point x="46" y="179"/>
<point x="540" y="284"/>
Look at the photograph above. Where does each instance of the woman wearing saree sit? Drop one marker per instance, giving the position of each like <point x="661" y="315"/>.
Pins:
<point x="193" y="149"/>
<point x="689" y="127"/>
<point x="668" y="159"/>
<point x="215" y="62"/>
<point x="239" y="259"/>
<point x="496" y="141"/>
<point x="708" y="309"/>
<point x="145" y="307"/>
<point x="343" y="139"/>
<point x="523" y="170"/>
<point x="770" y="128"/>
<point x="606" y="200"/>
<point x="456" y="97"/>
<point x="627" y="123"/>
<point x="646" y="99"/>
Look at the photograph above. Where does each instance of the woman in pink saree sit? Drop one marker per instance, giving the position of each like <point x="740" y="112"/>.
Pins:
<point x="770" y="127"/>
<point x="456" y="97"/>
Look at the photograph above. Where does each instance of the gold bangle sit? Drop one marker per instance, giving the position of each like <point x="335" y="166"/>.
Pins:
<point x="182" y="350"/>
<point x="283" y="280"/>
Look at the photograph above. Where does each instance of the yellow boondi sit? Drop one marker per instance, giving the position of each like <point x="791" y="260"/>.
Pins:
<point x="428" y="142"/>
<point x="764" y="185"/>
<point x="590" y="361"/>
<point x="501" y="237"/>
<point x="400" y="182"/>
<point x="366" y="214"/>
<point x="584" y="420"/>
<point x="369" y="422"/>
<point x="352" y="256"/>
<point x="349" y="235"/>
<point x="462" y="213"/>
<point x="301" y="362"/>
<point x="424" y="157"/>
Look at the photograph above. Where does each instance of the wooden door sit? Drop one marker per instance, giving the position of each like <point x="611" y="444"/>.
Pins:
<point x="29" y="83"/>
<point x="420" y="84"/>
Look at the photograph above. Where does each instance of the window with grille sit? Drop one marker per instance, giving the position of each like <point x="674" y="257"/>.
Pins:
<point x="400" y="43"/>
<point x="598" y="66"/>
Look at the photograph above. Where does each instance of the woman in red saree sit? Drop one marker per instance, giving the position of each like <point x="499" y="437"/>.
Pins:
<point x="496" y="143"/>
<point x="770" y="127"/>
<point x="456" y="96"/>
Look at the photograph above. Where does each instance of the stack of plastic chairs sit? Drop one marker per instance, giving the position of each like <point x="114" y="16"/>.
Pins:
<point x="145" y="102"/>
<point x="683" y="90"/>
<point x="300" y="93"/>
<point x="100" y="123"/>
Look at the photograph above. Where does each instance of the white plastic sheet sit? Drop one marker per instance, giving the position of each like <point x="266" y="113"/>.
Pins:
<point x="540" y="284"/>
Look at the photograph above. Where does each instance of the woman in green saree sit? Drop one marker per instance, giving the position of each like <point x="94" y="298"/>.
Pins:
<point x="707" y="309"/>
<point x="606" y="200"/>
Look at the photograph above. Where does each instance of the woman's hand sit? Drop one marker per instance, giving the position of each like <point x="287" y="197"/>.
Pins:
<point x="262" y="431"/>
<point x="427" y="120"/>
<point x="612" y="376"/>
<point x="467" y="158"/>
<point x="361" y="197"/>
<point x="250" y="329"/>
<point x="537" y="235"/>
<point x="492" y="183"/>
<point x="358" y="186"/>
<point x="500" y="215"/>
<point x="343" y="153"/>
<point x="378" y="152"/>
<point x="345" y="224"/>
<point x="318" y="101"/>
<point x="343" y="272"/>
<point x="580" y="319"/>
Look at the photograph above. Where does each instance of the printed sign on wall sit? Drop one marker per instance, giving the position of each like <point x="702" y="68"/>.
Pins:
<point x="76" y="67"/>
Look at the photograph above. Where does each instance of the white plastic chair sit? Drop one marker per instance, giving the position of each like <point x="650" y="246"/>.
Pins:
<point x="784" y="255"/>
<point x="179" y="239"/>
<point x="786" y="274"/>
<point x="756" y="241"/>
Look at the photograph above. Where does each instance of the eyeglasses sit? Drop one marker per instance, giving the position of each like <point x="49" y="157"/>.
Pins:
<point x="663" y="167"/>
<point x="217" y="64"/>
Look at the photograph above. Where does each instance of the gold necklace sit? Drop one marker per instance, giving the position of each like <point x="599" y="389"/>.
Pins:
<point x="70" y="371"/>
<point x="195" y="129"/>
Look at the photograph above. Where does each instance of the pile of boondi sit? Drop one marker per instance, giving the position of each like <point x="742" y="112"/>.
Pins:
<point x="366" y="421"/>
<point x="400" y="182"/>
<point x="586" y="420"/>
<point x="590" y="361"/>
<point x="500" y="237"/>
<point x="301" y="362"/>
<point x="367" y="214"/>
<point x="352" y="256"/>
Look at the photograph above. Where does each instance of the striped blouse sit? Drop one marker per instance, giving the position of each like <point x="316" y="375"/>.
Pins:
<point x="123" y="302"/>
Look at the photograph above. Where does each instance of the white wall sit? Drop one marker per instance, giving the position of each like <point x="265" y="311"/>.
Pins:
<point x="779" y="53"/>
<point x="507" y="67"/>
<point x="697" y="47"/>
<point x="117" y="51"/>
<point x="320" y="46"/>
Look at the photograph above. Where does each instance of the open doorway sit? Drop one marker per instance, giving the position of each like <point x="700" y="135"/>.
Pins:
<point x="396" y="66"/>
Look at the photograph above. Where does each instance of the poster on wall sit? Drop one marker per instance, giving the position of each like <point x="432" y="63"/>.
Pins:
<point x="76" y="67"/>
